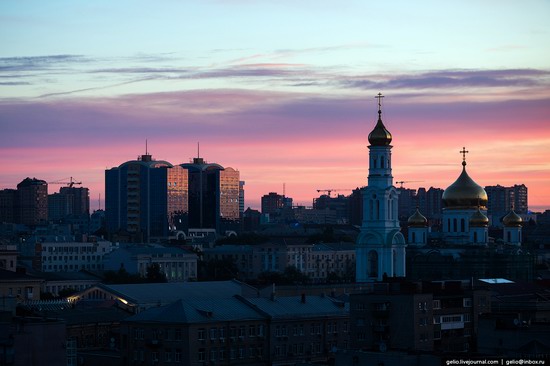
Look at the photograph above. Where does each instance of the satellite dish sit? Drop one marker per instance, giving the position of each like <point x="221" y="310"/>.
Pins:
<point x="383" y="347"/>
<point x="516" y="322"/>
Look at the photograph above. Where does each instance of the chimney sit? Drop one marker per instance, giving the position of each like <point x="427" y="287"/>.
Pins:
<point x="273" y="293"/>
<point x="303" y="301"/>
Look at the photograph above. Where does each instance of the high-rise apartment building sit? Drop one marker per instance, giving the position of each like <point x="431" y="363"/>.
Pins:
<point x="502" y="199"/>
<point x="144" y="197"/>
<point x="213" y="195"/>
<point x="8" y="199"/>
<point x="271" y="203"/>
<point x="69" y="202"/>
<point x="32" y="202"/>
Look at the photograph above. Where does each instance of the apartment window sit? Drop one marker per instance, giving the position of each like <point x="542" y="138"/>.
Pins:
<point x="222" y="333"/>
<point x="202" y="354"/>
<point x="201" y="334"/>
<point x="437" y="320"/>
<point x="177" y="334"/>
<point x="437" y="304"/>
<point x="177" y="355"/>
<point x="467" y="302"/>
<point x="467" y="318"/>
<point x="437" y="334"/>
<point x="242" y="331"/>
<point x="213" y="333"/>
<point x="213" y="354"/>
<point x="260" y="330"/>
<point x="168" y="355"/>
<point x="252" y="331"/>
<point x="242" y="352"/>
<point x="154" y="357"/>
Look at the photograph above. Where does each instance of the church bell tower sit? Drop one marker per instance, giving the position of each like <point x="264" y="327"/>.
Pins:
<point x="380" y="247"/>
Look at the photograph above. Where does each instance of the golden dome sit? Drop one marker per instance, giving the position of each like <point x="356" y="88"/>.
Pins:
<point x="512" y="219"/>
<point x="380" y="136"/>
<point x="479" y="219"/>
<point x="417" y="220"/>
<point x="464" y="193"/>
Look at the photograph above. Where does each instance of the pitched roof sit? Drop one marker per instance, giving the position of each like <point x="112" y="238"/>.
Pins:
<point x="294" y="307"/>
<point x="199" y="311"/>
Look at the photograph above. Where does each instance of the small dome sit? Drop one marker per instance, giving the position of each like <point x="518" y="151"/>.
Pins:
<point x="479" y="219"/>
<point x="380" y="136"/>
<point x="417" y="220"/>
<point x="464" y="193"/>
<point x="512" y="219"/>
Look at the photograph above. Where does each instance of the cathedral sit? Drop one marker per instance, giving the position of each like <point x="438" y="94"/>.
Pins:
<point x="460" y="248"/>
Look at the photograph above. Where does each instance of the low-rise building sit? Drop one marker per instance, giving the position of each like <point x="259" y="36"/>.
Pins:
<point x="66" y="255"/>
<point x="177" y="264"/>
<point x="432" y="316"/>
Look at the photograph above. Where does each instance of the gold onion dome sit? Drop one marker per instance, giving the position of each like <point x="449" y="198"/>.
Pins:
<point x="512" y="219"/>
<point x="464" y="193"/>
<point x="380" y="136"/>
<point x="479" y="219"/>
<point x="417" y="220"/>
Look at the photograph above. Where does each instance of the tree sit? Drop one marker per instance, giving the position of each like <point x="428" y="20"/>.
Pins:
<point x="154" y="274"/>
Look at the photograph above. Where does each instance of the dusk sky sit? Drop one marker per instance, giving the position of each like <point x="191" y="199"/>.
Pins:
<point x="281" y="90"/>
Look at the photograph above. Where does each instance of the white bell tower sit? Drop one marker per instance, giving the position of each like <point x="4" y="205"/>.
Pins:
<point x="380" y="247"/>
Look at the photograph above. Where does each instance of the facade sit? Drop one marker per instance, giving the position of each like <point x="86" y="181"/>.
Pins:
<point x="177" y="264"/>
<point x="241" y="198"/>
<point x="69" y="202"/>
<point x="8" y="257"/>
<point x="332" y="260"/>
<point x="213" y="196"/>
<point x="194" y="332"/>
<point x="145" y="198"/>
<point x="272" y="203"/>
<point x="502" y="199"/>
<point x="21" y="286"/>
<point x="303" y="329"/>
<point x="237" y="331"/>
<point x="8" y="199"/>
<point x="437" y="316"/>
<point x="380" y="247"/>
<point x="66" y="256"/>
<point x="32" y="202"/>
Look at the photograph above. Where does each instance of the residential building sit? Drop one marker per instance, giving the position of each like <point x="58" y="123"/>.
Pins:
<point x="145" y="199"/>
<point x="65" y="255"/>
<point x="272" y="203"/>
<point x="8" y="199"/>
<point x="176" y="264"/>
<point x="69" y="202"/>
<point x="439" y="316"/>
<point x="142" y="296"/>
<point x="213" y="196"/>
<point x="502" y="199"/>
<point x="32" y="202"/>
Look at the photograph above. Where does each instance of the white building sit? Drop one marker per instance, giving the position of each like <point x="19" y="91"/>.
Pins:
<point x="380" y="247"/>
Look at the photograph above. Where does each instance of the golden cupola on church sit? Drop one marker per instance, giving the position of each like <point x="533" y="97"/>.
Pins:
<point x="464" y="193"/>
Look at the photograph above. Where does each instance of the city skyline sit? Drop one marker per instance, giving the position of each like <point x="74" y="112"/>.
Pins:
<point x="282" y="92"/>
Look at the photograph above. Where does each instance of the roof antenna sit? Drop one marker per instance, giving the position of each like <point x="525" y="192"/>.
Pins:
<point x="198" y="149"/>
<point x="146" y="153"/>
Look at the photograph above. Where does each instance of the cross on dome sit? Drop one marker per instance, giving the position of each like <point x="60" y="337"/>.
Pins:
<point x="463" y="152"/>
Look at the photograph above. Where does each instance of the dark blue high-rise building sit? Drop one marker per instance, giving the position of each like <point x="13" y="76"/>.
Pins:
<point x="144" y="198"/>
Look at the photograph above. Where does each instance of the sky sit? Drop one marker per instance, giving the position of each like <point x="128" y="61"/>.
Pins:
<point x="281" y="90"/>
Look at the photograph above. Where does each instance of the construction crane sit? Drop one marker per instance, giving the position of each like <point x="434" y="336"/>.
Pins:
<point x="407" y="181"/>
<point x="330" y="190"/>
<point x="70" y="183"/>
